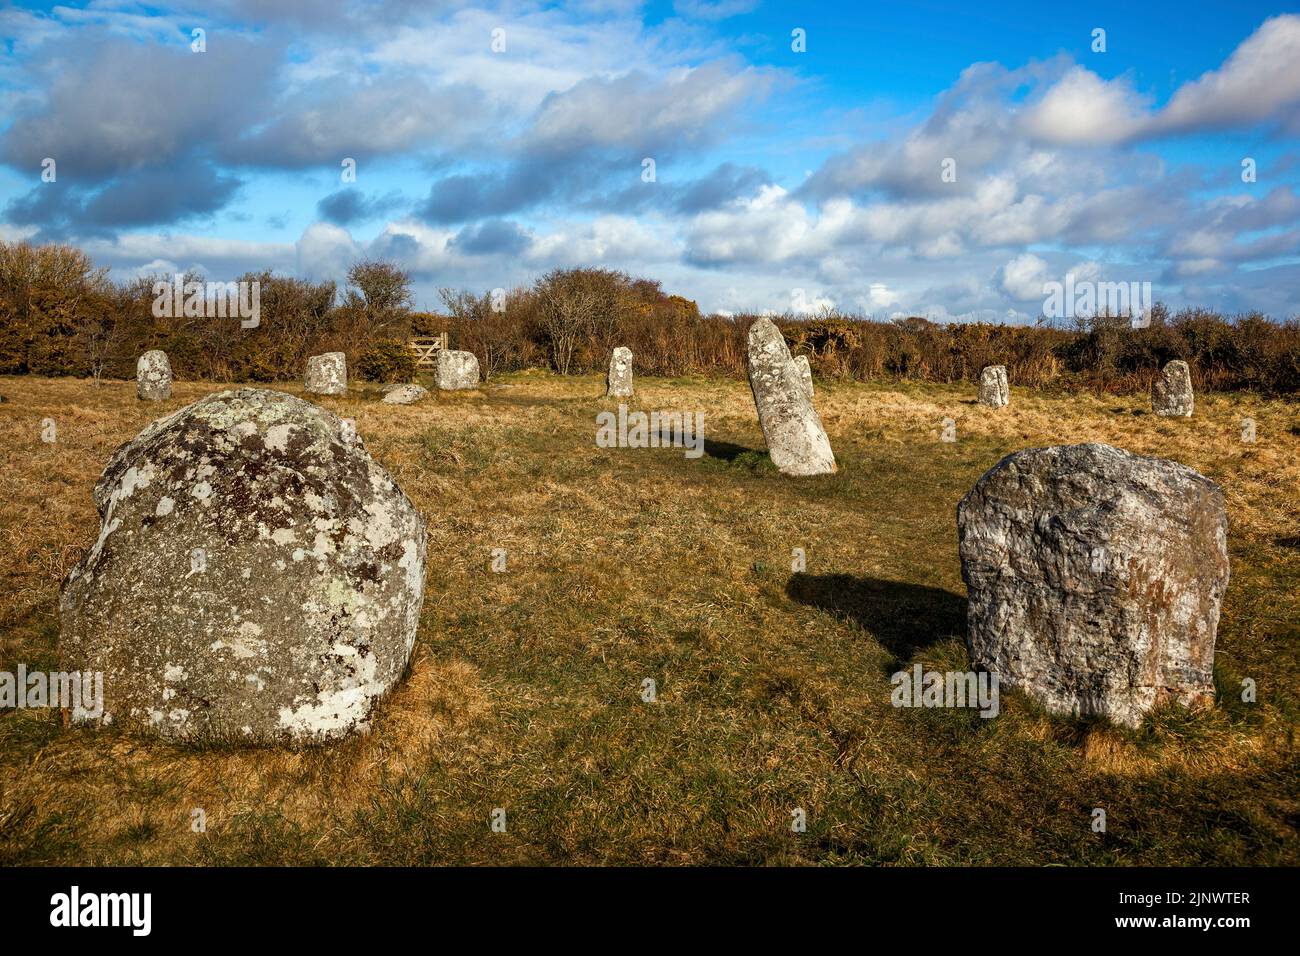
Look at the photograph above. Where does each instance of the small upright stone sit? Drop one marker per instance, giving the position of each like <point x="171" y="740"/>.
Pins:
<point x="327" y="374"/>
<point x="805" y="373"/>
<point x="620" y="373"/>
<point x="1171" y="392"/>
<point x="1095" y="578"/>
<point x="455" y="370"/>
<point x="796" y="441"/>
<point x="405" y="394"/>
<point x="153" y="376"/>
<point x="994" y="390"/>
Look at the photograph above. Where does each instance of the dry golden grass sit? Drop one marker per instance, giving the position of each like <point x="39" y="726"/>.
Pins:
<point x="773" y="688"/>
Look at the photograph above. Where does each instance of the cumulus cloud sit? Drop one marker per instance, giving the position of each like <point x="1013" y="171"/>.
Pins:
<point x="531" y="157"/>
<point x="352" y="205"/>
<point x="1081" y="107"/>
<point x="1023" y="277"/>
<point x="326" y="251"/>
<point x="120" y="109"/>
<point x="1256" y="84"/>
<point x="638" y="114"/>
<point x="164" y="196"/>
<point x="492" y="237"/>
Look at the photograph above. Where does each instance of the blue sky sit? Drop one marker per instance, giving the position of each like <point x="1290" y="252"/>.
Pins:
<point x="783" y="179"/>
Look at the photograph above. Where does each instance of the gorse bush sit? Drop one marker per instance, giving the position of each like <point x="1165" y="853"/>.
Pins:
<point x="387" y="362"/>
<point x="59" y="315"/>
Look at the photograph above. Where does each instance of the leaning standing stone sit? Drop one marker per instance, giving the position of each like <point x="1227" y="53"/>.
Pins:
<point x="1171" y="392"/>
<point x="257" y="577"/>
<point x="327" y="374"/>
<point x="455" y="370"/>
<point x="994" y="390"/>
<point x="796" y="441"/>
<point x="805" y="373"/>
<point x="1095" y="579"/>
<point x="620" y="373"/>
<point x="153" y="376"/>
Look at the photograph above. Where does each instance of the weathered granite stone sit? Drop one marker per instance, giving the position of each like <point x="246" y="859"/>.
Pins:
<point x="327" y="374"/>
<point x="994" y="390"/>
<point x="257" y="577"/>
<point x="619" y="382"/>
<point x="455" y="370"/>
<point x="153" y="376"/>
<point x="805" y="373"/>
<point x="796" y="441"/>
<point x="405" y="394"/>
<point x="1095" y="579"/>
<point x="1171" y="392"/>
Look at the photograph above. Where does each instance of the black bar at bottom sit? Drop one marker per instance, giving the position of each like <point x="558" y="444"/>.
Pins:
<point x="333" y="906"/>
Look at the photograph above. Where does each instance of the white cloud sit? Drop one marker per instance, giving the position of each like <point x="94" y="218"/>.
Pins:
<point x="1023" y="277"/>
<point x="1083" y="108"/>
<point x="326" y="251"/>
<point x="1259" y="79"/>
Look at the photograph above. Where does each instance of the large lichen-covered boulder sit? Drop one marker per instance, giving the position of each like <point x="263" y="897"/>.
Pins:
<point x="994" y="389"/>
<point x="1171" y="392"/>
<point x="257" y="577"/>
<point x="153" y="376"/>
<point x="455" y="370"/>
<point x="796" y="441"/>
<point x="619" y="382"/>
<point x="1095" y="579"/>
<point x="327" y="374"/>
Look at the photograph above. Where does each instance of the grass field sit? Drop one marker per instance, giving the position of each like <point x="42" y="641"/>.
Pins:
<point x="525" y="690"/>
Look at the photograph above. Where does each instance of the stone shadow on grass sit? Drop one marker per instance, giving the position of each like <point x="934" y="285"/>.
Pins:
<point x="903" y="617"/>
<point x="726" y="451"/>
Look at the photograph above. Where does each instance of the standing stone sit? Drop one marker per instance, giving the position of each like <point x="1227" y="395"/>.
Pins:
<point x="405" y="394"/>
<point x="795" y="438"/>
<point x="257" y="577"/>
<point x="455" y="370"/>
<point x="1171" y="392"/>
<point x="619" y="383"/>
<point x="1095" y="579"/>
<point x="994" y="390"/>
<point x="805" y="373"/>
<point x="327" y="374"/>
<point x="153" y="376"/>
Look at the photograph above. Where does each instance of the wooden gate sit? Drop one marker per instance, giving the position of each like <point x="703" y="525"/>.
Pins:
<point x="426" y="349"/>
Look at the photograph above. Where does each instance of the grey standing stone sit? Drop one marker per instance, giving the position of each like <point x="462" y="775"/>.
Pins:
<point x="405" y="394"/>
<point x="994" y="390"/>
<point x="327" y="374"/>
<point x="796" y="441"/>
<point x="1171" y="392"/>
<point x="805" y="373"/>
<point x="1095" y="579"/>
<point x="257" y="576"/>
<point x="455" y="370"/>
<point x="153" y="376"/>
<point x="619" y="383"/>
